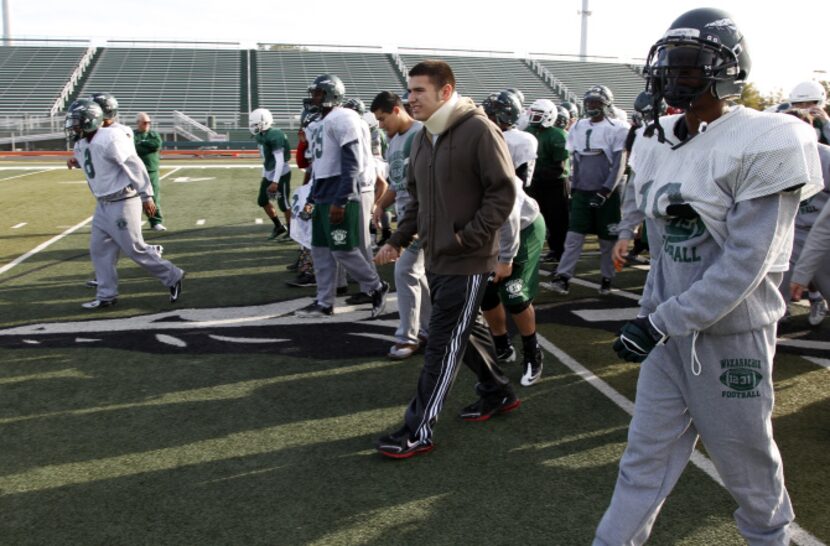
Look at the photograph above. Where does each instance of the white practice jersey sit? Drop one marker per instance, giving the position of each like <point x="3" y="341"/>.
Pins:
<point x="522" y="147"/>
<point x="742" y="155"/>
<point x="338" y="128"/>
<point x="587" y="138"/>
<point x="126" y="128"/>
<point x="104" y="162"/>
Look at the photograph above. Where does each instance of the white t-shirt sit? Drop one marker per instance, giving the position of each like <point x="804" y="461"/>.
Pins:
<point x="300" y="229"/>
<point x="102" y="160"/>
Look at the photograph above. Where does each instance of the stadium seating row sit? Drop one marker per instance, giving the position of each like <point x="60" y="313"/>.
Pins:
<point x="211" y="82"/>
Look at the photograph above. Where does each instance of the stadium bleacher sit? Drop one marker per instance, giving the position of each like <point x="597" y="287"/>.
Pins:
<point x="32" y="77"/>
<point x="219" y="83"/>
<point x="284" y="76"/>
<point x="477" y="77"/>
<point x="198" y="82"/>
<point x="578" y="76"/>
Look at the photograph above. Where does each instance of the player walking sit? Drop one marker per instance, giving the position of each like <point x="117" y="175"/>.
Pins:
<point x="720" y="187"/>
<point x="116" y="177"/>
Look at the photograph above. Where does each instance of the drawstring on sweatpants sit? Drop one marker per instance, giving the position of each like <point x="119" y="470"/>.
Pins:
<point x="696" y="366"/>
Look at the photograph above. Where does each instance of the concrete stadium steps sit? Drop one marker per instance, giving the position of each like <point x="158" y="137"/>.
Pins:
<point x="477" y="77"/>
<point x="578" y="76"/>
<point x="284" y="76"/>
<point x="32" y="77"/>
<point x="198" y="82"/>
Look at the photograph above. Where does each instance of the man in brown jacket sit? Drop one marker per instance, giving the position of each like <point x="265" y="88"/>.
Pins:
<point x="460" y="178"/>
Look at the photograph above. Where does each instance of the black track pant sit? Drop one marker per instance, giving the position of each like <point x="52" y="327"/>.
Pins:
<point x="456" y="332"/>
<point x="552" y="196"/>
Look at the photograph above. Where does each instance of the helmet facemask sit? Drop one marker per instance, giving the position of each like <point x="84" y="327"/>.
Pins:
<point x="681" y="71"/>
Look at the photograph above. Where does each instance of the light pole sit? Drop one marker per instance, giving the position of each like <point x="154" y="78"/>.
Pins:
<point x="583" y="39"/>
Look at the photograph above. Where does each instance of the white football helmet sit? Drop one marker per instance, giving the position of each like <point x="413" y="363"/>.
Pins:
<point x="542" y="112"/>
<point x="619" y="114"/>
<point x="810" y="91"/>
<point x="260" y="120"/>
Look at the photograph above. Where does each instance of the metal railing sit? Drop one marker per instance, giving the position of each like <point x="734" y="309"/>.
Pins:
<point x="560" y="88"/>
<point x="73" y="80"/>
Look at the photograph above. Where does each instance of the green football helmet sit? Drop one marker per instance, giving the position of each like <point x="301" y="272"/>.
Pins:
<point x="108" y="104"/>
<point x="83" y="117"/>
<point x="355" y="104"/>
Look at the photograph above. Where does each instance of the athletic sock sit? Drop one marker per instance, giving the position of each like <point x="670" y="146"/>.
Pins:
<point x="276" y="221"/>
<point x="529" y="344"/>
<point x="502" y="342"/>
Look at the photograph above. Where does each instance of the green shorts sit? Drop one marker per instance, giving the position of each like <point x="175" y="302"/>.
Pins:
<point x="342" y="236"/>
<point x="283" y="192"/>
<point x="523" y="283"/>
<point x="601" y="221"/>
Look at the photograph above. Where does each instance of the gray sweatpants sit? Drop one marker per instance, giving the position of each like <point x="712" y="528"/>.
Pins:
<point x="729" y="406"/>
<point x="414" y="305"/>
<point x="573" y="249"/>
<point x="326" y="271"/>
<point x="116" y="227"/>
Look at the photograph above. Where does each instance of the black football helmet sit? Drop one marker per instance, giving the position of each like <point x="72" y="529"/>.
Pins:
<point x="325" y="92"/>
<point x="572" y="108"/>
<point x="108" y="104"/>
<point x="519" y="95"/>
<point x="604" y="96"/>
<point x="84" y="116"/>
<point x="702" y="52"/>
<point x="563" y="117"/>
<point x="504" y="107"/>
<point x="646" y="104"/>
<point x="354" y="103"/>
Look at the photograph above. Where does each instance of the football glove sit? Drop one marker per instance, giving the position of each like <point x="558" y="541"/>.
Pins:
<point x="637" y="339"/>
<point x="599" y="198"/>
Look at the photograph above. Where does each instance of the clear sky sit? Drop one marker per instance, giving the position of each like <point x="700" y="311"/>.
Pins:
<point x="785" y="48"/>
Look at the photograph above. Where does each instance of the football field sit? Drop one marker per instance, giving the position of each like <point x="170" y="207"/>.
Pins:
<point x="223" y="419"/>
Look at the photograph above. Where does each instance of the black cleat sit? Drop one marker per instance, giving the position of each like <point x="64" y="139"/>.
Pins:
<point x="99" y="304"/>
<point x="379" y="299"/>
<point x="176" y="290"/>
<point x="314" y="310"/>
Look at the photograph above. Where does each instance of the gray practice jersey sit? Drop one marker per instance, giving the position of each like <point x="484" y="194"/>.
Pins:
<point x="722" y="219"/>
<point x="810" y="208"/>
<point x="397" y="155"/>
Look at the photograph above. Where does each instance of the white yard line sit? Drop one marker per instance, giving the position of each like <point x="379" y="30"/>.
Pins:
<point x="55" y="239"/>
<point x="20" y="225"/>
<point x="200" y="222"/>
<point x="25" y="174"/>
<point x="799" y="535"/>
<point x="42" y="246"/>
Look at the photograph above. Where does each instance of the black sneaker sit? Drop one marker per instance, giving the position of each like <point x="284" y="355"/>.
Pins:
<point x="99" y="304"/>
<point x="605" y="286"/>
<point x="484" y="408"/>
<point x="303" y="280"/>
<point x="506" y="354"/>
<point x="176" y="290"/>
<point x="398" y="445"/>
<point x="550" y="258"/>
<point x="533" y="368"/>
<point x="359" y="298"/>
<point x="560" y="285"/>
<point x="315" y="310"/>
<point x="379" y="299"/>
<point x="91" y="283"/>
<point x="342" y="290"/>
<point x="277" y="231"/>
